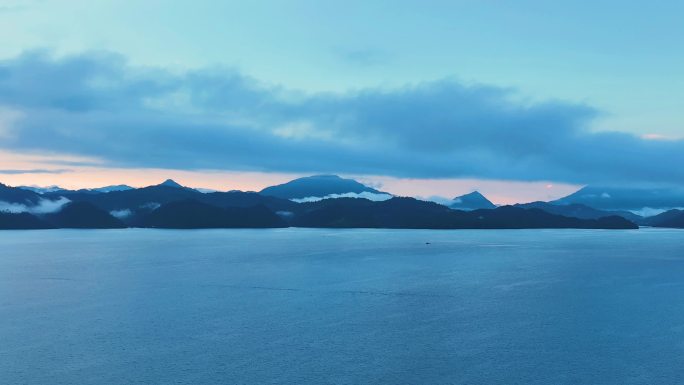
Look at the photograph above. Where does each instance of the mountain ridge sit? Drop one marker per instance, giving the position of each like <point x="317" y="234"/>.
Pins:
<point x="123" y="207"/>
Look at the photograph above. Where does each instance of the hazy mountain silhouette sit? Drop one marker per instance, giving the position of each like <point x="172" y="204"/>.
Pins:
<point x="316" y="186"/>
<point x="118" y="187"/>
<point x="59" y="190"/>
<point x="672" y="218"/>
<point x="472" y="201"/>
<point x="618" y="198"/>
<point x="581" y="211"/>
<point x="191" y="214"/>
<point x="41" y="190"/>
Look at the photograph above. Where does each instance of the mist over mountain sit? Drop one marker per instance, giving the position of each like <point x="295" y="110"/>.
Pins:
<point x="363" y="195"/>
<point x="131" y="206"/>
<point x="626" y="198"/>
<point x="581" y="211"/>
<point x="330" y="201"/>
<point x="118" y="187"/>
<point x="41" y="190"/>
<point x="57" y="189"/>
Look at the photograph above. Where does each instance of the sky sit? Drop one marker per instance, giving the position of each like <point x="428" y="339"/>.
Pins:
<point x="525" y="100"/>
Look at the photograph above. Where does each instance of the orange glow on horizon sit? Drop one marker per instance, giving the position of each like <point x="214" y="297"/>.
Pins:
<point x="76" y="177"/>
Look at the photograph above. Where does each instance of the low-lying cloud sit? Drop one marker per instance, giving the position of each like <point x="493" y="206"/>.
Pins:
<point x="96" y="105"/>
<point x="650" y="211"/>
<point x="44" y="206"/>
<point x="364" y="195"/>
<point x="121" y="214"/>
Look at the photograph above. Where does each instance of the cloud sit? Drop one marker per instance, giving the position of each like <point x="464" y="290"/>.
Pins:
<point x="650" y="211"/>
<point x="121" y="214"/>
<point x="44" y="206"/>
<point x="96" y="105"/>
<point x="365" y="195"/>
<point x="35" y="171"/>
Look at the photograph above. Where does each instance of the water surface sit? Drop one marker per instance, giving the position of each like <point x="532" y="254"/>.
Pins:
<point x="341" y="306"/>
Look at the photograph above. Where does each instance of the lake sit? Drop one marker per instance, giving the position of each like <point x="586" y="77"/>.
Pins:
<point x="314" y="306"/>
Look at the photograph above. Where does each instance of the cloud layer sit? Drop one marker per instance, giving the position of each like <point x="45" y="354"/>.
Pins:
<point x="34" y="171"/>
<point x="365" y="195"/>
<point x="96" y="105"/>
<point x="44" y="206"/>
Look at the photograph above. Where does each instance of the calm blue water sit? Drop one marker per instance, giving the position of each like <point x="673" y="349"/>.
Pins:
<point x="342" y="307"/>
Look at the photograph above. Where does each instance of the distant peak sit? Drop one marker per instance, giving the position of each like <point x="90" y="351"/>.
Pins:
<point x="316" y="186"/>
<point x="474" y="194"/>
<point x="170" y="183"/>
<point x="472" y="201"/>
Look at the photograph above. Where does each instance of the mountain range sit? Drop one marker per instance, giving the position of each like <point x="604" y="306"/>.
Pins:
<point x="417" y="214"/>
<point x="171" y="205"/>
<point x="57" y="189"/>
<point x="623" y="198"/>
<point x="581" y="211"/>
<point x="672" y="218"/>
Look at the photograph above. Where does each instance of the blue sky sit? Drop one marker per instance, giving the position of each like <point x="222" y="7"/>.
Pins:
<point x="464" y="89"/>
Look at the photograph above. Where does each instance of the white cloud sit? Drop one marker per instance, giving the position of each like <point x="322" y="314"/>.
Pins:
<point x="365" y="195"/>
<point x="121" y="214"/>
<point x="41" y="190"/>
<point x="44" y="206"/>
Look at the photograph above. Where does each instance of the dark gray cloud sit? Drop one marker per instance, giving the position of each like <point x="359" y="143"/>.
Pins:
<point x="95" y="104"/>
